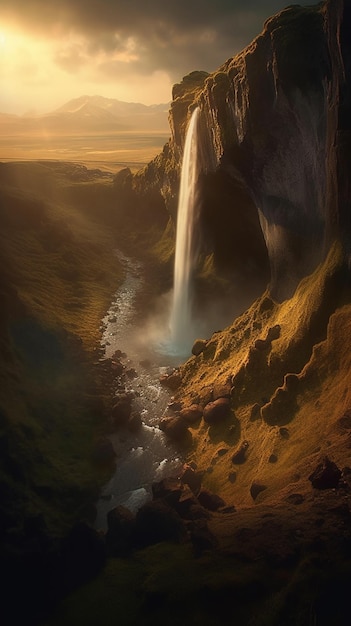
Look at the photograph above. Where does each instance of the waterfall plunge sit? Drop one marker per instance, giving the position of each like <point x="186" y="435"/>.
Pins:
<point x="181" y="322"/>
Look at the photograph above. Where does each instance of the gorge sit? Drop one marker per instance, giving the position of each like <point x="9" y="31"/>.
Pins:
<point x="256" y="528"/>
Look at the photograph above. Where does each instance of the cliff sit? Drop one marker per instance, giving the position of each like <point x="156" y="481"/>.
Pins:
<point x="274" y="137"/>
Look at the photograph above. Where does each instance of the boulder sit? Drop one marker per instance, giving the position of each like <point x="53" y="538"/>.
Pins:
<point x="174" y="427"/>
<point x="121" y="410"/>
<point x="198" y="346"/>
<point x="239" y="456"/>
<point x="192" y="478"/>
<point x="326" y="475"/>
<point x="121" y="527"/>
<point x="256" y="488"/>
<point x="134" y="422"/>
<point x="168" y="489"/>
<point x="192" y="413"/>
<point x="172" y="381"/>
<point x="217" y="411"/>
<point x="156" y="521"/>
<point x="210" y="501"/>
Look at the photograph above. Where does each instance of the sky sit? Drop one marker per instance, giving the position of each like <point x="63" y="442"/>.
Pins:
<point x="134" y="50"/>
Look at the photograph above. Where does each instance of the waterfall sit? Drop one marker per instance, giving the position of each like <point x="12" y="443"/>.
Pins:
<point x="182" y="333"/>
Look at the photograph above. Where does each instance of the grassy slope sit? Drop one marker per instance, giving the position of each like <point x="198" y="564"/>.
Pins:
<point x="314" y="344"/>
<point x="58" y="273"/>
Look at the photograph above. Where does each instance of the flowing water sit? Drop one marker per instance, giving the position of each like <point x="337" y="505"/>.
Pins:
<point x="181" y="322"/>
<point x="145" y="456"/>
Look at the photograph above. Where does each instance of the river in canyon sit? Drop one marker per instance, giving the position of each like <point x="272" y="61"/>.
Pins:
<point x="145" y="456"/>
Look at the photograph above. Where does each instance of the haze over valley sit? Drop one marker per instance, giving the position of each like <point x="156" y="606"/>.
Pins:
<point x="99" y="131"/>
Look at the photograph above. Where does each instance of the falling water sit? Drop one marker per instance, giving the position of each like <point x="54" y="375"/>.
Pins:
<point x="181" y="314"/>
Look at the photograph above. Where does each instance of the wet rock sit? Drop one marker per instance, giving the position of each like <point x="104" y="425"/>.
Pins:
<point x="121" y="527"/>
<point x="169" y="489"/>
<point x="134" y="422"/>
<point x="121" y="410"/>
<point x="256" y="488"/>
<point x="198" y="346"/>
<point x="174" y="427"/>
<point x="192" y="478"/>
<point x="156" y="521"/>
<point x="131" y="373"/>
<point x="174" y="406"/>
<point x="239" y="456"/>
<point x="192" y="413"/>
<point x="117" y="367"/>
<point x="326" y="475"/>
<point x="210" y="501"/>
<point x="172" y="381"/>
<point x="217" y="411"/>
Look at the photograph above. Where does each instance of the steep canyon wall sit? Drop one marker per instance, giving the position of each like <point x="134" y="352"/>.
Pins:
<point x="275" y="143"/>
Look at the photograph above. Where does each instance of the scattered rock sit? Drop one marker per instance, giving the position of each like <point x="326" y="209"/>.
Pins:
<point x="192" y="478"/>
<point x="232" y="477"/>
<point x="117" y="367"/>
<point x="239" y="457"/>
<point x="273" y="458"/>
<point x="169" y="489"/>
<point x="217" y="411"/>
<point x="119" y="355"/>
<point x="156" y="521"/>
<point x="121" y="410"/>
<point x="172" y="381"/>
<point x="228" y="509"/>
<point x="174" y="406"/>
<point x="256" y="488"/>
<point x="145" y="363"/>
<point x="131" y="373"/>
<point x="210" y="501"/>
<point x="296" y="498"/>
<point x="284" y="433"/>
<point x="221" y="390"/>
<point x="174" y="427"/>
<point x="121" y="526"/>
<point x="198" y="346"/>
<point x="326" y="475"/>
<point x="134" y="422"/>
<point x="222" y="451"/>
<point x="192" y="413"/>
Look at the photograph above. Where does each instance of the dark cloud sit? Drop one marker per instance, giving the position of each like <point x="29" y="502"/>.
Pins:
<point x="174" y="36"/>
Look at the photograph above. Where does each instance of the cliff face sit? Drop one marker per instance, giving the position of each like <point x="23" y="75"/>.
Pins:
<point x="274" y="139"/>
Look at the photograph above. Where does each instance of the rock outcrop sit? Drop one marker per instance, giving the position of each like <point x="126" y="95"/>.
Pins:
<point x="275" y="141"/>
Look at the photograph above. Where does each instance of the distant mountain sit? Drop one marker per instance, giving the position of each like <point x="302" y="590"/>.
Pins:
<point x="91" y="114"/>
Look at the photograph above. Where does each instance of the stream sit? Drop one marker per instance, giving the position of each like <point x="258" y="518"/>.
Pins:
<point x="145" y="456"/>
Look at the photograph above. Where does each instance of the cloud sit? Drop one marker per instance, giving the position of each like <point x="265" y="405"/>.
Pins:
<point x="172" y="36"/>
